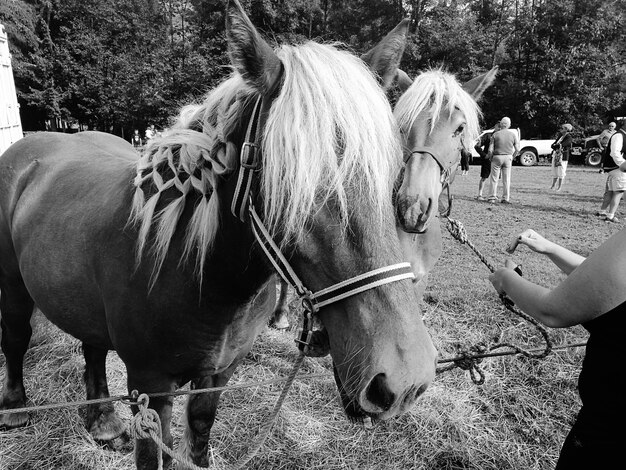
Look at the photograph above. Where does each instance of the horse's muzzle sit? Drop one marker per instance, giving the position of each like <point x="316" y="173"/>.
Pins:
<point x="413" y="215"/>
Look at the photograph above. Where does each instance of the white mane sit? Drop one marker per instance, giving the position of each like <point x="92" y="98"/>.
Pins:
<point x="329" y="135"/>
<point x="436" y="91"/>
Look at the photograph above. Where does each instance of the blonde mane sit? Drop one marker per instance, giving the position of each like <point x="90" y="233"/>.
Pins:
<point x="329" y="135"/>
<point x="436" y="91"/>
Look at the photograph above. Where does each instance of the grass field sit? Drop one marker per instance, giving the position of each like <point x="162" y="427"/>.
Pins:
<point x="516" y="420"/>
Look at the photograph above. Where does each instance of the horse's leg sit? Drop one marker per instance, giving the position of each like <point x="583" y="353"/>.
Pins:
<point x="146" y="450"/>
<point x="200" y="413"/>
<point x="16" y="308"/>
<point x="102" y="421"/>
<point x="280" y="317"/>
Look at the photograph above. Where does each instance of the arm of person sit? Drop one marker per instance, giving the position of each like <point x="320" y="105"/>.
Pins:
<point x="595" y="287"/>
<point x="565" y="259"/>
<point x="599" y="140"/>
<point x="479" y="149"/>
<point x="616" y="149"/>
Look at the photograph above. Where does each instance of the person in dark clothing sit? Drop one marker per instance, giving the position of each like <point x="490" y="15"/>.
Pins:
<point x="136" y="139"/>
<point x="594" y="296"/>
<point x="482" y="147"/>
<point x="465" y="161"/>
<point x="562" y="148"/>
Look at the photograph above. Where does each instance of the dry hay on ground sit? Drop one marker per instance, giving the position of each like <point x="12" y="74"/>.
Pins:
<point x="516" y="420"/>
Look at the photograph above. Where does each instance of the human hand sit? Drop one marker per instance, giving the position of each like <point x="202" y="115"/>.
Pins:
<point x="497" y="278"/>
<point x="532" y="240"/>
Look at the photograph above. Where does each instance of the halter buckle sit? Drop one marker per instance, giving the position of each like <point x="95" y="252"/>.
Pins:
<point x="250" y="156"/>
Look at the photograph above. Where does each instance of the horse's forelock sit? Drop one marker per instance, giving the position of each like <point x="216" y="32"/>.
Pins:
<point x="435" y="91"/>
<point x="330" y="134"/>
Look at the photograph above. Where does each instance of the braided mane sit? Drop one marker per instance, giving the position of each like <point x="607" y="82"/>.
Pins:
<point x="329" y="135"/>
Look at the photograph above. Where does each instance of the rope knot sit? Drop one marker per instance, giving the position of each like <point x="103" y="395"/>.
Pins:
<point x="146" y="422"/>
<point x="457" y="230"/>
<point x="467" y="361"/>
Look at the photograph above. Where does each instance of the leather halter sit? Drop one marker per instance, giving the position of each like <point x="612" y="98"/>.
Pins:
<point x="243" y="208"/>
<point x="446" y="172"/>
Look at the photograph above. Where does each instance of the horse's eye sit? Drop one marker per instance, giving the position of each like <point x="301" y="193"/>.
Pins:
<point x="459" y="130"/>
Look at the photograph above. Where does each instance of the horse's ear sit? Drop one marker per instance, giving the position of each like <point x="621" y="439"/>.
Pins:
<point x="251" y="56"/>
<point x="477" y="85"/>
<point x="403" y="80"/>
<point x="384" y="58"/>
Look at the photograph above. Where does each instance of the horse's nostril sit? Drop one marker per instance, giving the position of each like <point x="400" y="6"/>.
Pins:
<point x="378" y="393"/>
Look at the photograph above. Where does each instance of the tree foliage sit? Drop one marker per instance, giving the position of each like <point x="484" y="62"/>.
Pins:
<point x="116" y="65"/>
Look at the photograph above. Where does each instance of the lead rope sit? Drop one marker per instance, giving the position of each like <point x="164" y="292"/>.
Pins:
<point x="469" y="359"/>
<point x="146" y="424"/>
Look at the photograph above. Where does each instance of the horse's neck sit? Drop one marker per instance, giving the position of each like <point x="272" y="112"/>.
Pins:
<point x="235" y="259"/>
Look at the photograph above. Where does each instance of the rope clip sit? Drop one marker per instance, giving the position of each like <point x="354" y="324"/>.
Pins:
<point x="132" y="399"/>
<point x="308" y="303"/>
<point x="306" y="332"/>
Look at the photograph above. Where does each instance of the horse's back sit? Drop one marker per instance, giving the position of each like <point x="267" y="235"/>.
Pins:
<point x="60" y="197"/>
<point x="50" y="145"/>
<point x="52" y="171"/>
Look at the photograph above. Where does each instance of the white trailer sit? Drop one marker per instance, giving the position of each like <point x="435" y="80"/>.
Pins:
<point x="10" y="124"/>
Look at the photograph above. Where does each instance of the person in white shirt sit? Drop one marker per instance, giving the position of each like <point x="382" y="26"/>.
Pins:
<point x="150" y="132"/>
<point x="605" y="136"/>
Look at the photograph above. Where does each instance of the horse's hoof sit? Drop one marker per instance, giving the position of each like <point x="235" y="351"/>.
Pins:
<point x="123" y="443"/>
<point x="107" y="427"/>
<point x="14" y="420"/>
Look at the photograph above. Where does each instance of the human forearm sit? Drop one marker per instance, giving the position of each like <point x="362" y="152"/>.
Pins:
<point x="565" y="259"/>
<point x="530" y="298"/>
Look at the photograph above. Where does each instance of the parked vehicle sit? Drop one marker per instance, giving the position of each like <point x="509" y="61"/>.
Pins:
<point x="10" y="123"/>
<point x="588" y="151"/>
<point x="531" y="150"/>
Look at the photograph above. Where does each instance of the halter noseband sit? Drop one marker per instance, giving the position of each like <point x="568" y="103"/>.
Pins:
<point x="243" y="206"/>
<point x="446" y="172"/>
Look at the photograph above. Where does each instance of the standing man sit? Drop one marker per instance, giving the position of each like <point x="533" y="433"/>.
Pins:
<point x="505" y="145"/>
<point x="616" y="179"/>
<point x="482" y="147"/>
<point x="605" y="135"/>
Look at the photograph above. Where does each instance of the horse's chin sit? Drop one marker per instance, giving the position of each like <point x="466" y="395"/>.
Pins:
<point x="415" y="229"/>
<point x="421" y="226"/>
<point x="353" y="410"/>
<point x="414" y="221"/>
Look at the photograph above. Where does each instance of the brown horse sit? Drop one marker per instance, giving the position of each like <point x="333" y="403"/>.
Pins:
<point x="437" y="116"/>
<point x="162" y="272"/>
